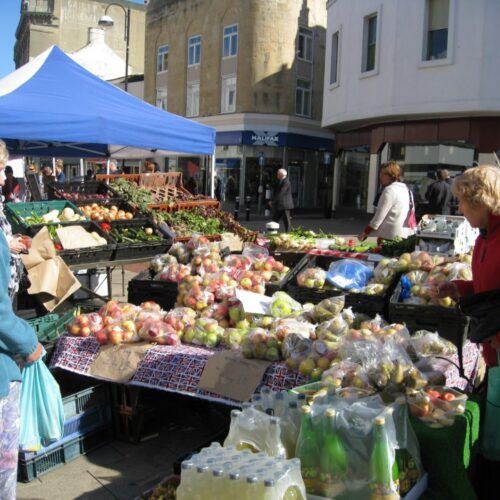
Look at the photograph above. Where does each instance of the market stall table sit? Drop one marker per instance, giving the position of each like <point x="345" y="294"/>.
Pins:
<point x="168" y="368"/>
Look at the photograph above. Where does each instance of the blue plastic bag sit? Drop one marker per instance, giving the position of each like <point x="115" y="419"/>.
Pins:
<point x="349" y="273"/>
<point x="42" y="412"/>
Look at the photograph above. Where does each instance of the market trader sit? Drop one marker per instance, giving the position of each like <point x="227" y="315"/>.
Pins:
<point x="17" y="338"/>
<point x="282" y="202"/>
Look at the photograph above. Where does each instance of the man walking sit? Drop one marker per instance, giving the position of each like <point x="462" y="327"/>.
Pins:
<point x="439" y="195"/>
<point x="282" y="202"/>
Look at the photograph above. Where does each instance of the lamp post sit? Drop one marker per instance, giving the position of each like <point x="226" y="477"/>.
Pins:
<point x="107" y="21"/>
<point x="261" y="187"/>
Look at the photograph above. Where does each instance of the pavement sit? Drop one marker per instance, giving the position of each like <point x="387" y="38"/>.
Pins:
<point x="123" y="470"/>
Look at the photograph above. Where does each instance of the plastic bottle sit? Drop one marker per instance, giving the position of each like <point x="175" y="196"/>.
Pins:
<point x="274" y="444"/>
<point x="253" y="489"/>
<point x="333" y="458"/>
<point x="383" y="467"/>
<point x="188" y="471"/>
<point x="234" y="485"/>
<point x="279" y="404"/>
<point x="220" y="483"/>
<point x="308" y="451"/>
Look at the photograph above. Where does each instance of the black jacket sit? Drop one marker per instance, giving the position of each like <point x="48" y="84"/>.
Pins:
<point x="283" y="196"/>
<point x="439" y="197"/>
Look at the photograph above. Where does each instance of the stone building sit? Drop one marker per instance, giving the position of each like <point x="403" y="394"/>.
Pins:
<point x="66" y="23"/>
<point x="253" y="69"/>
<point x="414" y="82"/>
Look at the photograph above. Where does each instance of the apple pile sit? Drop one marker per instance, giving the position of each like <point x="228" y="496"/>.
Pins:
<point x="345" y="374"/>
<point x="180" y="252"/>
<point x="221" y="284"/>
<point x="235" y="263"/>
<point x="198" y="298"/>
<point x="261" y="344"/>
<point x="154" y="329"/>
<point x="282" y="305"/>
<point x="84" y="325"/>
<point x="174" y="272"/>
<point x="251" y="281"/>
<point x="312" y="277"/>
<point x="233" y="337"/>
<point x="160" y="261"/>
<point x="218" y="311"/>
<point x="327" y="309"/>
<point x="418" y="260"/>
<point x="286" y="326"/>
<point x="332" y="330"/>
<point x="205" y="262"/>
<point x="180" y="318"/>
<point x="205" y="331"/>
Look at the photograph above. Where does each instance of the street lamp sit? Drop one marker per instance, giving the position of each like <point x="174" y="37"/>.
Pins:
<point x="107" y="21"/>
<point x="261" y="187"/>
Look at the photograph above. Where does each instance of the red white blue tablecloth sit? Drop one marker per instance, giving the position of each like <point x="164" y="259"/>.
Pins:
<point x="179" y="368"/>
<point x="168" y="368"/>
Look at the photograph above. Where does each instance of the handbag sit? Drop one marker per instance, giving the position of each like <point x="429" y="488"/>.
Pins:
<point x="490" y="441"/>
<point x="483" y="309"/>
<point x="411" y="219"/>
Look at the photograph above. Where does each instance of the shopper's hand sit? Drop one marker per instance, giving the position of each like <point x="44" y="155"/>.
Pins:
<point x="442" y="289"/>
<point x="35" y="355"/>
<point x="17" y="245"/>
<point x="362" y="236"/>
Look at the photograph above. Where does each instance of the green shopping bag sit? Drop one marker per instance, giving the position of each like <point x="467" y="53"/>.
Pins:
<point x="42" y="412"/>
<point x="490" y="443"/>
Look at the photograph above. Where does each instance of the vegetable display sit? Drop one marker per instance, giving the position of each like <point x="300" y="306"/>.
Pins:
<point x="102" y="213"/>
<point x="54" y="216"/>
<point x="131" y="235"/>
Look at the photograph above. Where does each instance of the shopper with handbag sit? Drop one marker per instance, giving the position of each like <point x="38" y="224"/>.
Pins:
<point x="395" y="213"/>
<point x="478" y="195"/>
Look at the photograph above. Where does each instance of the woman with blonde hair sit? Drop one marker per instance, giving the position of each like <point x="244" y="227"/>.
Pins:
<point x="478" y="193"/>
<point x="393" y="207"/>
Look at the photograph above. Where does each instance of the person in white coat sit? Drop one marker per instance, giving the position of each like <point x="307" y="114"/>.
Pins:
<point x="391" y="217"/>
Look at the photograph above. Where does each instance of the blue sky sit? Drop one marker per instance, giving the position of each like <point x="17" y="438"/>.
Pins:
<point x="11" y="10"/>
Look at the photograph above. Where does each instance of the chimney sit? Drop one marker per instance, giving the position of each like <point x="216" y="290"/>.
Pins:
<point x="96" y="35"/>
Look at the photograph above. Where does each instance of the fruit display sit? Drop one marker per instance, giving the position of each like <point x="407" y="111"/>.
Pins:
<point x="261" y="344"/>
<point x="174" y="272"/>
<point x="205" y="331"/>
<point x="53" y="217"/>
<point x="154" y="329"/>
<point x="327" y="309"/>
<point x="104" y="213"/>
<point x="282" y="305"/>
<point x="233" y="337"/>
<point x="312" y="277"/>
<point x="180" y="318"/>
<point x="84" y="325"/>
<point x="423" y="344"/>
<point x="286" y="326"/>
<point x="159" y="262"/>
<point x="180" y="252"/>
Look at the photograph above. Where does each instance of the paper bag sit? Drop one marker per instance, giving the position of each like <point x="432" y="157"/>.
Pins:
<point x="228" y="374"/>
<point x="51" y="279"/>
<point x="232" y="241"/>
<point x="118" y="363"/>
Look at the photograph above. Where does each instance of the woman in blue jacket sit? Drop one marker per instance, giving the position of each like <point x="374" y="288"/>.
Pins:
<point x="18" y="343"/>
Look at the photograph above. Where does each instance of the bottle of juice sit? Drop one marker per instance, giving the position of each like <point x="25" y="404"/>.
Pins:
<point x="188" y="471"/>
<point x="333" y="458"/>
<point x="384" y="471"/>
<point x="308" y="451"/>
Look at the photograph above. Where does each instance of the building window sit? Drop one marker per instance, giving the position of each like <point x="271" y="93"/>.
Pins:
<point x="303" y="98"/>
<point x="194" y="50"/>
<point x="228" y="94"/>
<point x="162" y="59"/>
<point x="230" y="41"/>
<point x="438" y="13"/>
<point x="370" y="43"/>
<point x="161" y="99"/>
<point x="193" y="99"/>
<point x="334" y="59"/>
<point x="305" y="48"/>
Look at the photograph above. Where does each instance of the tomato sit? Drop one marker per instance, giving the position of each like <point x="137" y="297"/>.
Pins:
<point x="448" y="396"/>
<point x="58" y="246"/>
<point x="433" y="393"/>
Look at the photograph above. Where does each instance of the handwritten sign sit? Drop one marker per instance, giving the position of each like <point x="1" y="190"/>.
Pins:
<point x="118" y="362"/>
<point x="228" y="374"/>
<point x="254" y="303"/>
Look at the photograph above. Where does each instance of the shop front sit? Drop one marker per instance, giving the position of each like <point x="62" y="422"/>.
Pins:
<point x="247" y="163"/>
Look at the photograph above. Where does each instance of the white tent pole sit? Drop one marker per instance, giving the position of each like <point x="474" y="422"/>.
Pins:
<point x="81" y="167"/>
<point x="54" y="165"/>
<point x="107" y="165"/>
<point x="212" y="176"/>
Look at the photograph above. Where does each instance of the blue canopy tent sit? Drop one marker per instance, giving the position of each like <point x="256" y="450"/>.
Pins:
<point x="52" y="106"/>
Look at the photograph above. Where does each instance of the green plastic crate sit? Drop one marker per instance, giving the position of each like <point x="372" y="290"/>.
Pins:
<point x="17" y="213"/>
<point x="61" y="453"/>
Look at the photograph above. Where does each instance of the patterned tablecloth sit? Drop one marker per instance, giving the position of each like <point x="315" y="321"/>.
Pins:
<point x="178" y="369"/>
<point x="167" y="368"/>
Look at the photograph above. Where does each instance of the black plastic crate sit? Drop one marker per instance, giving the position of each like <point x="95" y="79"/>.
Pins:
<point x="141" y="249"/>
<point x="143" y="287"/>
<point x="360" y="302"/>
<point x="17" y="213"/>
<point x="62" y="452"/>
<point x="88" y="190"/>
<point x="90" y="255"/>
<point x="449" y="322"/>
<point x="290" y="259"/>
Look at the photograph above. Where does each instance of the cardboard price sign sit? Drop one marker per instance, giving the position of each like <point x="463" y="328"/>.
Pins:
<point x="228" y="374"/>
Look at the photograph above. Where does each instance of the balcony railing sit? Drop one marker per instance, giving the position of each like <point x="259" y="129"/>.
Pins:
<point x="38" y="6"/>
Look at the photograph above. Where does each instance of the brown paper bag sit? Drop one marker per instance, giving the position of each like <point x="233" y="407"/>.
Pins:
<point x="118" y="362"/>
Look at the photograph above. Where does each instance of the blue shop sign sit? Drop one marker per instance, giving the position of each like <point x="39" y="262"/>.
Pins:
<point x="262" y="138"/>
